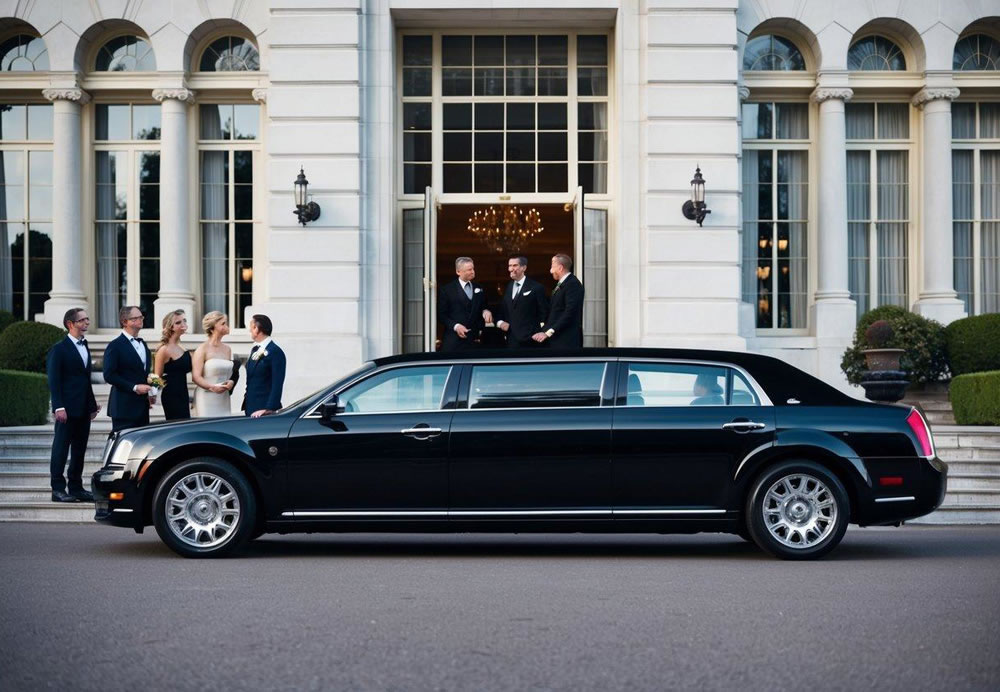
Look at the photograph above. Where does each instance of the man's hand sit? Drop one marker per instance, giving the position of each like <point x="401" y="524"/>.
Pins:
<point x="61" y="416"/>
<point x="461" y="330"/>
<point x="262" y="412"/>
<point x="487" y="317"/>
<point x="503" y="325"/>
<point x="93" y="415"/>
<point x="142" y="389"/>
<point x="540" y="337"/>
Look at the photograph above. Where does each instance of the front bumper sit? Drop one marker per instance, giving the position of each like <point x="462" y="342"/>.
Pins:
<point x="127" y="512"/>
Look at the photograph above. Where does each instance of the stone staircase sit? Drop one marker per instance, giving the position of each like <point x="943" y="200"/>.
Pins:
<point x="973" y="458"/>
<point x="933" y="401"/>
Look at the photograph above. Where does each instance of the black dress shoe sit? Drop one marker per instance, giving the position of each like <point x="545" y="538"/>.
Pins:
<point x="60" y="496"/>
<point x="82" y="495"/>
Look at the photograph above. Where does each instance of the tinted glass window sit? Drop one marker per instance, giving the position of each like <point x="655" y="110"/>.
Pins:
<point x="743" y="394"/>
<point x="409" y="389"/>
<point x="675" y="384"/>
<point x="536" y="385"/>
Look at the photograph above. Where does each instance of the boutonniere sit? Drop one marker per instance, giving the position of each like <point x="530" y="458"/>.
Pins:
<point x="478" y="290"/>
<point x="259" y="354"/>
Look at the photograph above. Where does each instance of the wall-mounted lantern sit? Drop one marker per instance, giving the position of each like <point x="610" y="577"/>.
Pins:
<point x="695" y="208"/>
<point x="305" y="210"/>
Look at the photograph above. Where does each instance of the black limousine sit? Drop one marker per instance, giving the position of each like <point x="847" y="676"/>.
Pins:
<point x="597" y="440"/>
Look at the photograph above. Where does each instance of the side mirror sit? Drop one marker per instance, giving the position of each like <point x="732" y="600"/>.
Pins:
<point x="330" y="408"/>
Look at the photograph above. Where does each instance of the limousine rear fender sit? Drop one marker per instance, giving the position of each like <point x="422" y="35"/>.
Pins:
<point x="808" y="444"/>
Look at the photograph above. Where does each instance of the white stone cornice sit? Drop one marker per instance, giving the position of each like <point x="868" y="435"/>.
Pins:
<point x="183" y="95"/>
<point x="259" y="95"/>
<point x="821" y="94"/>
<point x="70" y="94"/>
<point x="927" y="94"/>
<point x="744" y="93"/>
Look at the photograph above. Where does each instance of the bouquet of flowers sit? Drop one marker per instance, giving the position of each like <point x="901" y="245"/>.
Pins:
<point x="157" y="382"/>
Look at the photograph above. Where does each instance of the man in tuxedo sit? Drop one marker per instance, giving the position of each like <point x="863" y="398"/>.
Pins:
<point x="265" y="370"/>
<point x="462" y="308"/>
<point x="564" y="326"/>
<point x="126" y="369"/>
<point x="74" y="406"/>
<point x="524" y="307"/>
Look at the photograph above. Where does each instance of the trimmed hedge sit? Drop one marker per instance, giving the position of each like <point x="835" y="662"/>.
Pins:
<point x="24" y="398"/>
<point x="926" y="357"/>
<point x="975" y="398"/>
<point x="974" y="344"/>
<point x="24" y="345"/>
<point x="6" y="319"/>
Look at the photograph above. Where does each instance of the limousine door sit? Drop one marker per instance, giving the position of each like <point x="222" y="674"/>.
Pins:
<point x="531" y="440"/>
<point x="387" y="452"/>
<point x="680" y="431"/>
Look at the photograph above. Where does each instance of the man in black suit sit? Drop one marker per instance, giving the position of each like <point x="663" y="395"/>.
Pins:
<point x="524" y="307"/>
<point x="462" y="308"/>
<point x="564" y="326"/>
<point x="126" y="369"/>
<point x="74" y="406"/>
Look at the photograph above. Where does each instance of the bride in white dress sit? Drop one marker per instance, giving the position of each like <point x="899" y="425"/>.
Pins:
<point x="212" y="366"/>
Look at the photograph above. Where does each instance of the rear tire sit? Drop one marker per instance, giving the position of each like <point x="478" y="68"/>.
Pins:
<point x="797" y="510"/>
<point x="204" y="508"/>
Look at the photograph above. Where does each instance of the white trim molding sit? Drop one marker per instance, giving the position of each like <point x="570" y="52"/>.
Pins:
<point x="72" y="94"/>
<point x="928" y="94"/>
<point x="821" y="94"/>
<point x="182" y="94"/>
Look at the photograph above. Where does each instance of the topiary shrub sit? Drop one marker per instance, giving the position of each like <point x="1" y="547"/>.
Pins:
<point x="6" y="319"/>
<point x="878" y="334"/>
<point x="973" y="344"/>
<point x="975" y="398"/>
<point x="24" y="398"/>
<point x="925" y="358"/>
<point x="24" y="345"/>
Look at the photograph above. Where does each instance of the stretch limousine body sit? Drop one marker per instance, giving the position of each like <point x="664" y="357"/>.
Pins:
<point x="598" y="440"/>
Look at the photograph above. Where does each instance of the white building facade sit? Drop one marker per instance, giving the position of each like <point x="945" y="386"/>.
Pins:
<point x="851" y="152"/>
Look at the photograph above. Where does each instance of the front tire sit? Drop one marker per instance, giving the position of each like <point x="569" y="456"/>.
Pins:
<point x="797" y="510"/>
<point x="204" y="508"/>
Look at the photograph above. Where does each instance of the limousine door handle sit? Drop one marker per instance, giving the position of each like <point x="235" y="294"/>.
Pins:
<point x="422" y="432"/>
<point x="743" y="425"/>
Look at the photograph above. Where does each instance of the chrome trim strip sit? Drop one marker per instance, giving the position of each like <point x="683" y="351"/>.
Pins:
<point x="366" y="513"/>
<point x="750" y="454"/>
<point x="121" y="509"/>
<point x="421" y="431"/>
<point x="668" y="511"/>
<point x="908" y="498"/>
<point x="528" y="512"/>
<point x="748" y="425"/>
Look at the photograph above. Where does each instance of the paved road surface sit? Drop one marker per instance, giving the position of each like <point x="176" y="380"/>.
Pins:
<point x="88" y="607"/>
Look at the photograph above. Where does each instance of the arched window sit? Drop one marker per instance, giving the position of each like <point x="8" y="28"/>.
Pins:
<point x="23" y="53"/>
<point x="875" y="54"/>
<point x="230" y="54"/>
<point x="977" y="52"/>
<point x="126" y="54"/>
<point x="770" y="52"/>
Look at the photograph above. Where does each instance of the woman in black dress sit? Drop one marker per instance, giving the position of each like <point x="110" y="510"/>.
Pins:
<point x="173" y="363"/>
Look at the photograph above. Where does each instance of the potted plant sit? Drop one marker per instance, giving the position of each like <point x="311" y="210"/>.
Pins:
<point x="885" y="380"/>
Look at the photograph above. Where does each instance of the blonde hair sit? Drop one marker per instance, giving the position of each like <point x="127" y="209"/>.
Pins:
<point x="210" y="320"/>
<point x="168" y="326"/>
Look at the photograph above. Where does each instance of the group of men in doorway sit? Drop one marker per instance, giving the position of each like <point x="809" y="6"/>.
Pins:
<point x="527" y="317"/>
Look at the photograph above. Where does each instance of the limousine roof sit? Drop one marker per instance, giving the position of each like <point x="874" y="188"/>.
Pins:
<point x="780" y="380"/>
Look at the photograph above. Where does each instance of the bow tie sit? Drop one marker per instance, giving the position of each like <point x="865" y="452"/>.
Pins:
<point x="254" y="349"/>
<point x="81" y="342"/>
<point x="135" y="339"/>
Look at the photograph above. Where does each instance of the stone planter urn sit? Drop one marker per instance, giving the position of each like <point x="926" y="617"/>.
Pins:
<point x="884" y="381"/>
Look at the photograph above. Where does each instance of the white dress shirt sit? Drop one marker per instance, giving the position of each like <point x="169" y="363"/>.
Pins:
<point x="137" y="345"/>
<point x="80" y="348"/>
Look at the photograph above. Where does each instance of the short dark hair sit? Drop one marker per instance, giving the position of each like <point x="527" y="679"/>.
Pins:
<point x="521" y="259"/>
<point x="123" y="313"/>
<point x="565" y="261"/>
<point x="263" y="323"/>
<point x="70" y="316"/>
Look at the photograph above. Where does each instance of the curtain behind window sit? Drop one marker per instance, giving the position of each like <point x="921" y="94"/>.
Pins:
<point x="962" y="227"/>
<point x="6" y="270"/>
<point x="108" y="259"/>
<point x="793" y="204"/>
<point x="595" y="277"/>
<point x="215" y="234"/>
<point x="858" y="216"/>
<point x="413" y="280"/>
<point x="989" y="244"/>
<point x="750" y="215"/>
<point x="891" y="227"/>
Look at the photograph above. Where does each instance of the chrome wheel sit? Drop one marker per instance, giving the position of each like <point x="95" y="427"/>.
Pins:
<point x="202" y="510"/>
<point x="799" y="511"/>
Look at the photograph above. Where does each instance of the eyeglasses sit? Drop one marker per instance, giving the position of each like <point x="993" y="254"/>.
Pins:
<point x="134" y="317"/>
<point x="82" y="319"/>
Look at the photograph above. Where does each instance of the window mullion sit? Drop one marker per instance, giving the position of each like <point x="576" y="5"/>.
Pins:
<point x="873" y="293"/>
<point x="977" y="217"/>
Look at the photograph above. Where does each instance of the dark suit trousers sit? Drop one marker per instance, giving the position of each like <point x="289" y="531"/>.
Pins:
<point x="70" y="437"/>
<point x="122" y="423"/>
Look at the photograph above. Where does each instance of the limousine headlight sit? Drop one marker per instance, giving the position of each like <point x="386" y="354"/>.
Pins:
<point x="120" y="453"/>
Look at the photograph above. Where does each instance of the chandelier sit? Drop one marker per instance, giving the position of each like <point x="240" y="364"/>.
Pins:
<point x="506" y="230"/>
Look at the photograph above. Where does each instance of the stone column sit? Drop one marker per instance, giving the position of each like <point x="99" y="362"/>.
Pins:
<point x="938" y="299"/>
<point x="834" y="312"/>
<point x="67" y="216"/>
<point x="176" y="288"/>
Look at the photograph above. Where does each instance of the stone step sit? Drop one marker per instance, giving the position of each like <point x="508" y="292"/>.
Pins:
<point x="39" y="465"/>
<point x="936" y="404"/>
<point x="960" y="469"/>
<point x="965" y="497"/>
<point x="973" y="481"/>
<point x="949" y="440"/>
<point x="47" y="511"/>
<point x="942" y="417"/>
<point x="29" y="494"/>
<point x="951" y="454"/>
<point x="966" y="514"/>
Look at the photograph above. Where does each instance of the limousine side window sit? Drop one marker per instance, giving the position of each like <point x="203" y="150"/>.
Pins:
<point x="675" y="384"/>
<point x="401" y="389"/>
<point x="536" y="385"/>
<point x="743" y="394"/>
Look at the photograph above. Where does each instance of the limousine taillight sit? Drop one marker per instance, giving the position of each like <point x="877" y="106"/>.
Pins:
<point x="920" y="428"/>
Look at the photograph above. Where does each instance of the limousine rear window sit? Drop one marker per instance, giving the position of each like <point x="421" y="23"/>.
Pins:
<point x="535" y="385"/>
